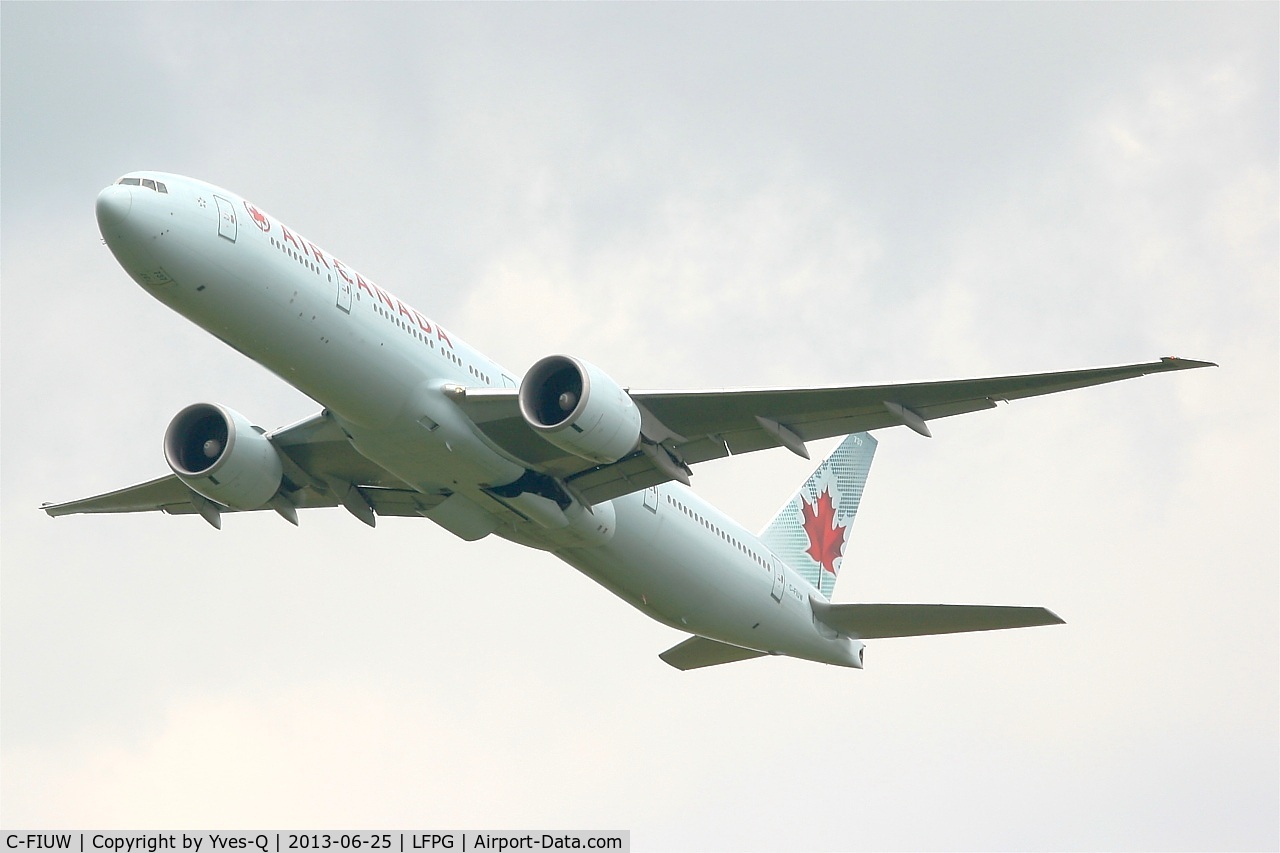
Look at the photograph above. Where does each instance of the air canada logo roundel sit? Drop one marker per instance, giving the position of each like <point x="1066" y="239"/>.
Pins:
<point x="259" y="218"/>
<point x="826" y="538"/>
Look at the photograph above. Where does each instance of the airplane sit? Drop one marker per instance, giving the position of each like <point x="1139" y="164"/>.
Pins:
<point x="414" y="422"/>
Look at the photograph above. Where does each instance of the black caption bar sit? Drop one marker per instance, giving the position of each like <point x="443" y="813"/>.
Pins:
<point x="276" y="841"/>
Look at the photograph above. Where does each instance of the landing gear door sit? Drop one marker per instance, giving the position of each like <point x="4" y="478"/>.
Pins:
<point x="227" y="225"/>
<point x="778" y="581"/>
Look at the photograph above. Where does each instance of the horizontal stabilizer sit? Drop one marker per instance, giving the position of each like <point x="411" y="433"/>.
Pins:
<point x="877" y="621"/>
<point x="697" y="652"/>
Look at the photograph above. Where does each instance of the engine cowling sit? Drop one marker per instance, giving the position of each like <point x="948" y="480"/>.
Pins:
<point x="578" y="408"/>
<point x="220" y="455"/>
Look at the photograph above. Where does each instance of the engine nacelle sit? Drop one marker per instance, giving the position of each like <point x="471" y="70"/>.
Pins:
<point x="578" y="408"/>
<point x="220" y="455"/>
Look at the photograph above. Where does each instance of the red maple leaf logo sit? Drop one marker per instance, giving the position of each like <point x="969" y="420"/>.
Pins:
<point x="826" y="538"/>
<point x="259" y="218"/>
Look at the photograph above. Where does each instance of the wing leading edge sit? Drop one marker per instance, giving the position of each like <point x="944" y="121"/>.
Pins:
<point x="696" y="426"/>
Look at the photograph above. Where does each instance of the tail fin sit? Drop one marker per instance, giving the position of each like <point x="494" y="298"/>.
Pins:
<point x="809" y="533"/>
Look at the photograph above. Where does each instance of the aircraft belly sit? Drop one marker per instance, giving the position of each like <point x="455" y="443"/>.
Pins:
<point x="675" y="575"/>
<point x="431" y="445"/>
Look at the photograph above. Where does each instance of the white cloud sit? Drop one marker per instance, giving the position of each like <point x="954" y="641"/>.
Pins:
<point x="712" y="267"/>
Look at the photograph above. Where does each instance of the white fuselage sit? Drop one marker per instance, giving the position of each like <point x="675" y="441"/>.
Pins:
<point x="380" y="368"/>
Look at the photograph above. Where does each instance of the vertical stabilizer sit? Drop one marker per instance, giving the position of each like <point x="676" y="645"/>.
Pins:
<point x="810" y="532"/>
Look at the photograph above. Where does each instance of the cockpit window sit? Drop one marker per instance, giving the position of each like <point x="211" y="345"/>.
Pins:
<point x="144" y="182"/>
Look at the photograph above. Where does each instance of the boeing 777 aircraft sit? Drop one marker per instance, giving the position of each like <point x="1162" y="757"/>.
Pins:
<point x="416" y="423"/>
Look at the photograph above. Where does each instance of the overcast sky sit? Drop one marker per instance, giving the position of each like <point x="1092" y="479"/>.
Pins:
<point x="689" y="196"/>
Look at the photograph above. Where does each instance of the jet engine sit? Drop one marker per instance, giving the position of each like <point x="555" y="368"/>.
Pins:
<point x="578" y="408"/>
<point x="220" y="455"/>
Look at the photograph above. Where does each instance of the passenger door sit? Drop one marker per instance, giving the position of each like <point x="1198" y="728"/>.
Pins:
<point x="227" y="224"/>
<point x="778" y="582"/>
<point x="651" y="499"/>
<point x="344" y="293"/>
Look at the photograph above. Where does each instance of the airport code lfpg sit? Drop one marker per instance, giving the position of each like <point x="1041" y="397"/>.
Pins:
<point x="275" y="841"/>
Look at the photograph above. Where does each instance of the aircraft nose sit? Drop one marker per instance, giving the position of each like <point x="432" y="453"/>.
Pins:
<point x="113" y="205"/>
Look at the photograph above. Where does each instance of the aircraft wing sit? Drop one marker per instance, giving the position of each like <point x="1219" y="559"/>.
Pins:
<point x="684" y="428"/>
<point x="321" y="469"/>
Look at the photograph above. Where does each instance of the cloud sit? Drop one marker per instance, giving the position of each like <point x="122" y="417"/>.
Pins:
<point x="687" y="196"/>
<point x="713" y="267"/>
<point x="313" y="754"/>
